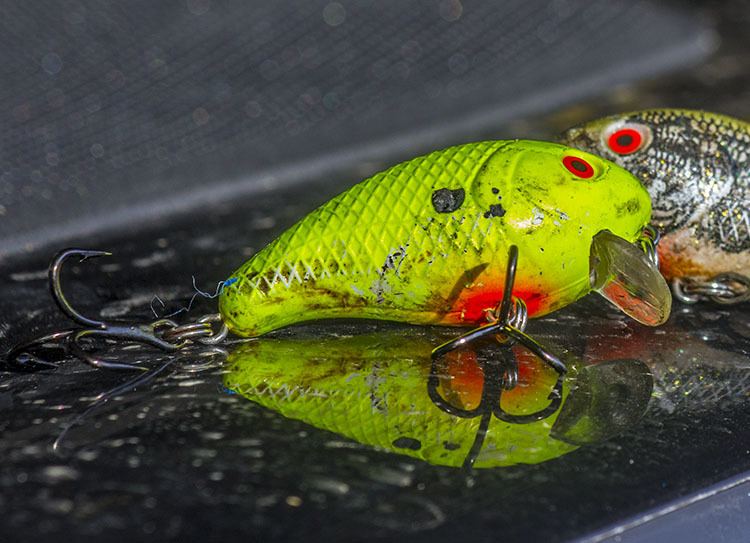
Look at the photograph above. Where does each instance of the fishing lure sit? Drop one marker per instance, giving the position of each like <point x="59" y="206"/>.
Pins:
<point x="696" y="166"/>
<point x="426" y="242"/>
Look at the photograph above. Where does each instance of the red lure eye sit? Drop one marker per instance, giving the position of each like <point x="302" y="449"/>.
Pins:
<point x="578" y="167"/>
<point x="625" y="141"/>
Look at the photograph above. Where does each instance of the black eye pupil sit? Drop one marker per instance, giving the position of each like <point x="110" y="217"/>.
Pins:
<point x="578" y="165"/>
<point x="624" y="140"/>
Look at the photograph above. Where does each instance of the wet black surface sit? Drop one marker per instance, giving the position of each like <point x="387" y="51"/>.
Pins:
<point x="183" y="457"/>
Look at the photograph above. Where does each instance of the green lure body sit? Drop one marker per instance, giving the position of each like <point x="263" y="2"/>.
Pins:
<point x="426" y="241"/>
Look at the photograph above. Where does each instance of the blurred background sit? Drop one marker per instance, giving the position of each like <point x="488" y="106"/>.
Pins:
<point x="118" y="114"/>
<point x="184" y="135"/>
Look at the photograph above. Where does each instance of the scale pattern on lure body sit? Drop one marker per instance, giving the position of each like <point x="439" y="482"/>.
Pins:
<point x="426" y="241"/>
<point x="696" y="167"/>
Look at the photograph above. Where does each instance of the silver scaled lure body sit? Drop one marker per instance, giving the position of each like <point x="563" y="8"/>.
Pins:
<point x="696" y="167"/>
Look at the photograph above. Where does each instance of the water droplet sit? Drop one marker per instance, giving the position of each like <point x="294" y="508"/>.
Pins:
<point x="263" y="223"/>
<point x="205" y="453"/>
<point x="198" y="7"/>
<point x="60" y="506"/>
<point x="97" y="150"/>
<point x="249" y="442"/>
<point x="31" y="450"/>
<point x="191" y="382"/>
<point x="334" y="14"/>
<point x="253" y="109"/>
<point x="411" y="50"/>
<point x="267" y="501"/>
<point x="201" y="116"/>
<point x="87" y="455"/>
<point x="390" y="476"/>
<point x="52" y="63"/>
<point x="331" y="486"/>
<point x="58" y="474"/>
<point x="451" y="10"/>
<point x="293" y="501"/>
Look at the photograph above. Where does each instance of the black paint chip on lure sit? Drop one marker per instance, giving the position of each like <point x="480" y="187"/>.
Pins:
<point x="496" y="210"/>
<point x="447" y="200"/>
<point x="407" y="443"/>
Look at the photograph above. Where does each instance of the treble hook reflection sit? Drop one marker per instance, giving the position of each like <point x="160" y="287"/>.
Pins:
<point x="492" y="378"/>
<point x="374" y="389"/>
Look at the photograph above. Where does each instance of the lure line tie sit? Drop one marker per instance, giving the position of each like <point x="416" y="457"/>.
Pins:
<point x="648" y="241"/>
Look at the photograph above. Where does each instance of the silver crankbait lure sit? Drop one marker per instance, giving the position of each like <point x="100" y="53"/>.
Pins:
<point x="696" y="167"/>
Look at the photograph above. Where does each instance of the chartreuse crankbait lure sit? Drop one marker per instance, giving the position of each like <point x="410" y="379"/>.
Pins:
<point x="426" y="242"/>
<point x="384" y="390"/>
<point x="696" y="166"/>
<point x="450" y="238"/>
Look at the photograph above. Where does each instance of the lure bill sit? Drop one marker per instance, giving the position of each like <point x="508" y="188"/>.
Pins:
<point x="426" y="242"/>
<point x="696" y="166"/>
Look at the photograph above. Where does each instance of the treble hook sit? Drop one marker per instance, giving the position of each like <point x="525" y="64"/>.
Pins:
<point x="507" y="322"/>
<point x="164" y="334"/>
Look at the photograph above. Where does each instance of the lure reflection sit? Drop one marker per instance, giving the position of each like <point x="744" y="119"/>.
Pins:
<point x="698" y="361"/>
<point x="467" y="408"/>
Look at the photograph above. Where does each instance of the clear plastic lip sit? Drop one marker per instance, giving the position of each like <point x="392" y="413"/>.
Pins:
<point x="622" y="273"/>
